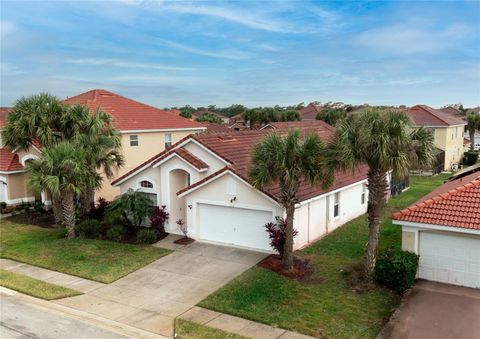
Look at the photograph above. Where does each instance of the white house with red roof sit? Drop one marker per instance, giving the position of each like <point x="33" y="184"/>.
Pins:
<point x="203" y="179"/>
<point x="145" y="130"/>
<point x="444" y="229"/>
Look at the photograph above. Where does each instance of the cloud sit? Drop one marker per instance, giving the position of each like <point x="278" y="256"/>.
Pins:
<point x="10" y="69"/>
<point x="126" y="64"/>
<point x="231" y="53"/>
<point x="6" y="28"/>
<point x="411" y="38"/>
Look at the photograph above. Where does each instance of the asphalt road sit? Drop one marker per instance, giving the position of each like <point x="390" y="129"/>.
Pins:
<point x="21" y="320"/>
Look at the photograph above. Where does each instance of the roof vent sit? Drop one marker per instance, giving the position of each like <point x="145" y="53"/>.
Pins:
<point x="226" y="137"/>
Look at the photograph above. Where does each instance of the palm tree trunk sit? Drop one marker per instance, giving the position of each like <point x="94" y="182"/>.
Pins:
<point x="471" y="131"/>
<point x="69" y="214"/>
<point x="57" y="208"/>
<point x="287" y="258"/>
<point x="377" y="185"/>
<point x="87" y="198"/>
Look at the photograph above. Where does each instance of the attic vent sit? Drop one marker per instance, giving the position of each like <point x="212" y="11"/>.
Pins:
<point x="226" y="138"/>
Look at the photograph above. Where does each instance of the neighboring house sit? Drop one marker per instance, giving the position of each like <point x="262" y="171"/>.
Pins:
<point x="309" y="112"/>
<point x="216" y="128"/>
<point x="447" y="131"/>
<point x="13" y="186"/>
<point x="145" y="130"/>
<point x="295" y="124"/>
<point x="451" y="111"/>
<point x="237" y="123"/>
<point x="203" y="179"/>
<point x="444" y="229"/>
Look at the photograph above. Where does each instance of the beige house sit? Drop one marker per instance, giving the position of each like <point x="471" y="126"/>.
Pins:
<point x="447" y="131"/>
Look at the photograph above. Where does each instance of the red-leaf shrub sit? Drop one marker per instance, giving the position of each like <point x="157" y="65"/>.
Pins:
<point x="158" y="219"/>
<point x="98" y="209"/>
<point x="276" y="233"/>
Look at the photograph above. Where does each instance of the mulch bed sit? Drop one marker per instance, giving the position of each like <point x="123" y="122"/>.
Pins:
<point x="45" y="220"/>
<point x="302" y="270"/>
<point x="184" y="241"/>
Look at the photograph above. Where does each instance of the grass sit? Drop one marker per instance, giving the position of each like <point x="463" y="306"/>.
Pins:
<point x="34" y="287"/>
<point x="326" y="306"/>
<point x="99" y="260"/>
<point x="185" y="329"/>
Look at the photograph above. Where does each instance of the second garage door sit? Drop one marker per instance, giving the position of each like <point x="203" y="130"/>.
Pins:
<point x="234" y="226"/>
<point x="450" y="259"/>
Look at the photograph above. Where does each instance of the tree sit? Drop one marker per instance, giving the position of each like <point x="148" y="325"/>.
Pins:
<point x="62" y="170"/>
<point x="133" y="207"/>
<point x="288" y="160"/>
<point x="210" y="117"/>
<point x="187" y="111"/>
<point x="331" y="115"/>
<point x="385" y="141"/>
<point x="473" y="124"/>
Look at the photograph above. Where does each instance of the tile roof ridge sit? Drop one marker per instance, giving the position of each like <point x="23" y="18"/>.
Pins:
<point x="437" y="113"/>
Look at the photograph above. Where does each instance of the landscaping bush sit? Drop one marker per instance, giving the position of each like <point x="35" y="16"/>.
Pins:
<point x="97" y="210"/>
<point x="39" y="207"/>
<point x="470" y="158"/>
<point x="396" y="269"/>
<point x="132" y="207"/>
<point x="89" y="229"/>
<point x="158" y="219"/>
<point x="3" y="205"/>
<point x="276" y="233"/>
<point x="116" y="233"/>
<point x="146" y="236"/>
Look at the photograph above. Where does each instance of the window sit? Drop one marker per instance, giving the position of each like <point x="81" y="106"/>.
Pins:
<point x="168" y="140"/>
<point x="134" y="140"/>
<point x="146" y="184"/>
<point x="364" y="194"/>
<point x="152" y="197"/>
<point x="336" y="205"/>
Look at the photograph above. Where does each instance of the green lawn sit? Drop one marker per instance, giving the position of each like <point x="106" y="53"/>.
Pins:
<point x="99" y="260"/>
<point x="34" y="287"/>
<point x="326" y="306"/>
<point x="189" y="330"/>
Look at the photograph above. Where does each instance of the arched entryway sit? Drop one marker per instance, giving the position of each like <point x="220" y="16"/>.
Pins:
<point x="179" y="179"/>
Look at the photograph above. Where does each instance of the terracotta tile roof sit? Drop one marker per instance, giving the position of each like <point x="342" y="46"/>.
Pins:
<point x="236" y="147"/>
<point x="309" y="112"/>
<point x="300" y="124"/>
<point x="131" y="115"/>
<point x="216" y="128"/>
<point x="189" y="157"/>
<point x="450" y="110"/>
<point x="9" y="161"/>
<point x="3" y="115"/>
<point x="455" y="204"/>
<point x="423" y="115"/>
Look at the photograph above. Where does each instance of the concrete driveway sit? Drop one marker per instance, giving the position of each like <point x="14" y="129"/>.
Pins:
<point x="153" y="296"/>
<point x="437" y="311"/>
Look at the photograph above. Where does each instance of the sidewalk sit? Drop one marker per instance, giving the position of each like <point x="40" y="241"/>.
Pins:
<point x="238" y="325"/>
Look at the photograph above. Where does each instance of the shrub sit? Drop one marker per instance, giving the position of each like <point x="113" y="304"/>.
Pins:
<point x="146" y="236"/>
<point x="396" y="269"/>
<point x="276" y="233"/>
<point x="3" y="205"/>
<point x="158" y="219"/>
<point x="97" y="210"/>
<point x="116" y="233"/>
<point x="133" y="207"/>
<point x="39" y="207"/>
<point x="470" y="158"/>
<point x="89" y="229"/>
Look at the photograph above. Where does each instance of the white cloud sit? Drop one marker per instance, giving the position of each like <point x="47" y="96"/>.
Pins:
<point x="6" y="29"/>
<point x="411" y="38"/>
<point x="230" y="53"/>
<point x="10" y="69"/>
<point x="126" y="64"/>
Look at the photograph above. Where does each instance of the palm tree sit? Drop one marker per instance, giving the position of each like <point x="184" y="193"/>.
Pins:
<point x="385" y="141"/>
<point x="61" y="170"/>
<point x="289" y="160"/>
<point x="473" y="124"/>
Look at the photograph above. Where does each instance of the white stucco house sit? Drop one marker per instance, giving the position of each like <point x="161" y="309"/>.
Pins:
<point x="443" y="228"/>
<point x="203" y="179"/>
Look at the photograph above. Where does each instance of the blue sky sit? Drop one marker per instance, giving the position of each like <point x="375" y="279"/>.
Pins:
<point x="172" y="53"/>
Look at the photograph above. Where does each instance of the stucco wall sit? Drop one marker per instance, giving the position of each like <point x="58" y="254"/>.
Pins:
<point x="313" y="219"/>
<point x="217" y="192"/>
<point x="408" y="241"/>
<point x="17" y="187"/>
<point x="453" y="146"/>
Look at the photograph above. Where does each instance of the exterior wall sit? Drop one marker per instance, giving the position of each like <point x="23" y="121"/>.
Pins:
<point x="450" y="139"/>
<point x="219" y="192"/>
<point x="149" y="144"/>
<point x="314" y="218"/>
<point x="408" y="241"/>
<point x="17" y="190"/>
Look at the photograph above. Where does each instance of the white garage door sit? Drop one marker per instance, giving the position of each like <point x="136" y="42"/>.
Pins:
<point x="235" y="226"/>
<point x="450" y="259"/>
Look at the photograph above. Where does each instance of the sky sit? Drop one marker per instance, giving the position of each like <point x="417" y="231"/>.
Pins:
<point x="255" y="53"/>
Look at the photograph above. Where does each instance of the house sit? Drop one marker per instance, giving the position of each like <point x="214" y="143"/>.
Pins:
<point x="444" y="229"/>
<point x="451" y="111"/>
<point x="13" y="186"/>
<point x="309" y="112"/>
<point x="215" y="128"/>
<point x="237" y="122"/>
<point x="144" y="129"/>
<point x="294" y="124"/>
<point x="203" y="179"/>
<point x="447" y="131"/>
